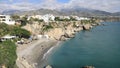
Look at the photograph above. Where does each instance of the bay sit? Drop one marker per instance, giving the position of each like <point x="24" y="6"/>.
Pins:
<point x="99" y="47"/>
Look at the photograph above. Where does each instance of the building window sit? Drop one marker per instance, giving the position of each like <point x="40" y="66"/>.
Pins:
<point x="2" y="17"/>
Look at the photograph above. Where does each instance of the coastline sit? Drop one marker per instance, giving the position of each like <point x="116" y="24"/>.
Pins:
<point x="42" y="60"/>
<point x="32" y="56"/>
<point x="33" y="53"/>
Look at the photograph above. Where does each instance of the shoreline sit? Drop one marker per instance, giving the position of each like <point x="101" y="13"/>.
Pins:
<point x="29" y="57"/>
<point x="33" y="55"/>
<point x="42" y="60"/>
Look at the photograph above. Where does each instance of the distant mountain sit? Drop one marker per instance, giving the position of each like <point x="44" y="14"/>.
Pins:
<point x="32" y="12"/>
<point x="116" y="14"/>
<point x="71" y="11"/>
<point x="9" y="12"/>
<point x="42" y="12"/>
<point x="85" y="12"/>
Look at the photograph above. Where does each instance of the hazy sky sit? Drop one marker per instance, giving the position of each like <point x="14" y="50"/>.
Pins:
<point x="105" y="5"/>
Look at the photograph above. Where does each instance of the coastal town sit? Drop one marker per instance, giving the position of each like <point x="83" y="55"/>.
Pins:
<point x="45" y="31"/>
<point x="46" y="25"/>
<point x="59" y="33"/>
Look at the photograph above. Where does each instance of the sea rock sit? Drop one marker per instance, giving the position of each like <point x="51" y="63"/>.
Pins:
<point x="62" y="38"/>
<point x="88" y="67"/>
<point x="86" y="27"/>
<point x="70" y="35"/>
<point x="48" y="66"/>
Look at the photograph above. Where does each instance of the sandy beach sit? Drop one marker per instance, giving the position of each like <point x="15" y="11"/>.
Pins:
<point x="31" y="53"/>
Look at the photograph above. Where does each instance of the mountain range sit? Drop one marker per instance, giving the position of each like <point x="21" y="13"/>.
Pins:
<point x="70" y="11"/>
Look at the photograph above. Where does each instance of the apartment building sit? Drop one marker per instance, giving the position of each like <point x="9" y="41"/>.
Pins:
<point x="6" y="19"/>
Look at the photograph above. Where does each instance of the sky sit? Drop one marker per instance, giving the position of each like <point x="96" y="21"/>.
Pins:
<point x="104" y="5"/>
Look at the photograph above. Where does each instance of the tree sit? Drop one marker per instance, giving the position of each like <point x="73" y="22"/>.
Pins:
<point x="15" y="17"/>
<point x="24" y="21"/>
<point x="72" y="19"/>
<point x="20" y="32"/>
<point x="57" y="19"/>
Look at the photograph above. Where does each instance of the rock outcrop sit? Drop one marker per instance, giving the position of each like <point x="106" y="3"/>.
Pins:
<point x="48" y="66"/>
<point x="87" y="27"/>
<point x="88" y="67"/>
<point x="55" y="33"/>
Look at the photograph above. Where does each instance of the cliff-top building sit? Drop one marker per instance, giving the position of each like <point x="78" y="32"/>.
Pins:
<point x="6" y="19"/>
<point x="46" y="18"/>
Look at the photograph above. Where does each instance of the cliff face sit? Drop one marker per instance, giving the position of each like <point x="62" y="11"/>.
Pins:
<point x="87" y="26"/>
<point x="33" y="28"/>
<point x="55" y="33"/>
<point x="60" y="31"/>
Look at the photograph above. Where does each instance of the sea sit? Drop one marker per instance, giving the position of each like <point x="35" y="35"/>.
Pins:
<point x="98" y="47"/>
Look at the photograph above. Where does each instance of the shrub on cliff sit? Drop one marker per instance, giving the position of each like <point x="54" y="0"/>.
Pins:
<point x="5" y="29"/>
<point x="8" y="54"/>
<point x="20" y="32"/>
<point x="47" y="27"/>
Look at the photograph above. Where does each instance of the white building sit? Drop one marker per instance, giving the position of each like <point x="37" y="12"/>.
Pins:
<point x="84" y="18"/>
<point x="6" y="19"/>
<point x="64" y="17"/>
<point x="48" y="17"/>
<point x="45" y="18"/>
<point x="80" y="18"/>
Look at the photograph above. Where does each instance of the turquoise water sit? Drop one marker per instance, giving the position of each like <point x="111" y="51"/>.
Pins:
<point x="99" y="47"/>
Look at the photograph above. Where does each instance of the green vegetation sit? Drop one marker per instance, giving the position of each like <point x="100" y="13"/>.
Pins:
<point x="46" y="27"/>
<point x="85" y="21"/>
<point x="74" y="24"/>
<point x="24" y="21"/>
<point x="65" y="19"/>
<point x="72" y="19"/>
<point x="13" y="30"/>
<point x="35" y="20"/>
<point x="38" y="20"/>
<point x="21" y="33"/>
<point x="57" y="19"/>
<point x="15" y="17"/>
<point x="8" y="54"/>
<point x="5" y="29"/>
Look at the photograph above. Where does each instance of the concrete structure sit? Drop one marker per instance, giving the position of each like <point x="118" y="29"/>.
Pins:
<point x="7" y="37"/>
<point x="6" y="19"/>
<point x="42" y="36"/>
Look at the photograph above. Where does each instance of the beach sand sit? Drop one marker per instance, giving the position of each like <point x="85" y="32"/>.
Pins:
<point x="30" y="54"/>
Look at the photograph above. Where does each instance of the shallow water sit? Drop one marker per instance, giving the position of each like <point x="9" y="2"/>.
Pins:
<point x="99" y="47"/>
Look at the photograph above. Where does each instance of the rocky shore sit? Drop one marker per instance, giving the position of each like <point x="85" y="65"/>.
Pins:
<point x="29" y="54"/>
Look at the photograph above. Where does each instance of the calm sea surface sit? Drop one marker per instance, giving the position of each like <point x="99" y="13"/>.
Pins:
<point x="99" y="47"/>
